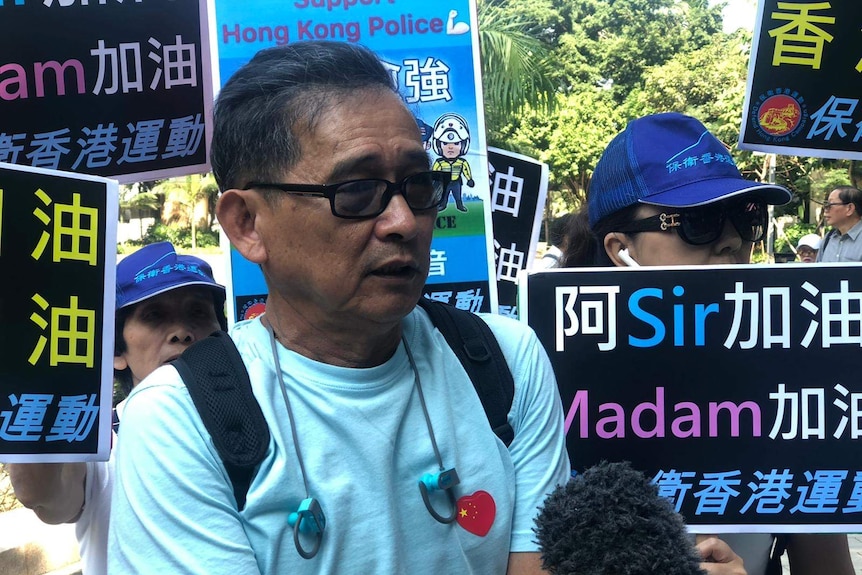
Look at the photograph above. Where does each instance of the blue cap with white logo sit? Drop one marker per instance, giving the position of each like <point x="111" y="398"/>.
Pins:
<point x="669" y="160"/>
<point x="156" y="269"/>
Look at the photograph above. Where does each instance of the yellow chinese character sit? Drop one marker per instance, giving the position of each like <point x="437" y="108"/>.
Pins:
<point x="74" y="225"/>
<point x="72" y="333"/>
<point x="800" y="41"/>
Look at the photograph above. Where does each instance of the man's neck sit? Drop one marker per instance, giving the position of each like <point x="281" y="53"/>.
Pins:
<point x="339" y="345"/>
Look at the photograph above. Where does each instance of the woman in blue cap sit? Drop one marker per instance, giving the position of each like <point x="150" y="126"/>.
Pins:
<point x="165" y="302"/>
<point x="667" y="192"/>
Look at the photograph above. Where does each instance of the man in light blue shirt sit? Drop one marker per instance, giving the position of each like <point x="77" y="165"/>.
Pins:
<point x="842" y="211"/>
<point x="325" y="184"/>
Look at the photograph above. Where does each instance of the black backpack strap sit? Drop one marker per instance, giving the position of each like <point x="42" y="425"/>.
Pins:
<point x="478" y="351"/>
<point x="218" y="383"/>
<point x="829" y="235"/>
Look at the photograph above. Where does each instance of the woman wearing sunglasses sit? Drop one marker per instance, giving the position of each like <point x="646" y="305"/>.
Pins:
<point x="666" y="192"/>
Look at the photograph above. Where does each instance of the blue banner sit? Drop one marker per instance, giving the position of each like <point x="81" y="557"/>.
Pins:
<point x="432" y="52"/>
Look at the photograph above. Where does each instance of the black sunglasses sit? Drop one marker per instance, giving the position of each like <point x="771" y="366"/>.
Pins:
<point x="829" y="205"/>
<point x="704" y="224"/>
<point x="368" y="198"/>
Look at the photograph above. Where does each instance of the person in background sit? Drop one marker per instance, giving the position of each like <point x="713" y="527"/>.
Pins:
<point x="646" y="207"/>
<point x="553" y="254"/>
<point x="842" y="211"/>
<point x="165" y="302"/>
<point x="807" y="247"/>
<point x="550" y="259"/>
<point x="381" y="458"/>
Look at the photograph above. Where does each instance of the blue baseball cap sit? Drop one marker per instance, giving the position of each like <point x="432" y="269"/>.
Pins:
<point x="669" y="160"/>
<point x="156" y="269"/>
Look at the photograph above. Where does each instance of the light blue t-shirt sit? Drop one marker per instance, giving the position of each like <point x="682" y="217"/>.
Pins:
<point x="365" y="444"/>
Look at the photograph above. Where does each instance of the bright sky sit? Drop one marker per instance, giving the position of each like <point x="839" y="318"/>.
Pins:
<point x="738" y="14"/>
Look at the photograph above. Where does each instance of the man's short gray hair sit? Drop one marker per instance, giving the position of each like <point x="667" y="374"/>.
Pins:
<point x="280" y="89"/>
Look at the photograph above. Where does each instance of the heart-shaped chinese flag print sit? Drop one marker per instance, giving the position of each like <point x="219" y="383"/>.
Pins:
<point x="476" y="513"/>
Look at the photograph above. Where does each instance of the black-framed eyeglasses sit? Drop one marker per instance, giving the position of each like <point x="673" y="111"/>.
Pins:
<point x="368" y="198"/>
<point x="828" y="205"/>
<point x="704" y="224"/>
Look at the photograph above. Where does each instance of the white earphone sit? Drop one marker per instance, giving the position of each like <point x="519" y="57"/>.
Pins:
<point x="627" y="259"/>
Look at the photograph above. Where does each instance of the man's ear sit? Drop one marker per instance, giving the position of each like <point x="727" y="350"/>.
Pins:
<point x="120" y="362"/>
<point x="613" y="243"/>
<point x="238" y="213"/>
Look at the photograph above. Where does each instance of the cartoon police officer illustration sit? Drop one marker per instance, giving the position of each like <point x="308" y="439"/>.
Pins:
<point x="450" y="139"/>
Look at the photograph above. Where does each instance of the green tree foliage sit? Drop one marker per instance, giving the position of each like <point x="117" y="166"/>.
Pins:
<point x="615" y="60"/>
<point x="601" y="52"/>
<point x="615" y="41"/>
<point x="855" y="173"/>
<point x="139" y="199"/>
<point x="130" y="198"/>
<point x="188" y="192"/>
<point x="516" y="70"/>
<point x="140" y="196"/>
<point x="570" y="140"/>
<point x="789" y="237"/>
<point x="707" y="83"/>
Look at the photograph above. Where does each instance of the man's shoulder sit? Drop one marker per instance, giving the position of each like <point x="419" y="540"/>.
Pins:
<point x="165" y="376"/>
<point x="494" y="321"/>
<point x="243" y="327"/>
<point x="247" y="335"/>
<point x="502" y="323"/>
<point x="510" y="333"/>
<point x="853" y="233"/>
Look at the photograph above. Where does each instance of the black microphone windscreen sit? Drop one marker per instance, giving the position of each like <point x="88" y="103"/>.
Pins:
<point x="610" y="520"/>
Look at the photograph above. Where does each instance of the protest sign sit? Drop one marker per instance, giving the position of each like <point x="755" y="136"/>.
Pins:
<point x="804" y="80"/>
<point x="519" y="187"/>
<point x="736" y="389"/>
<point x="432" y="53"/>
<point x="58" y="255"/>
<point x="118" y="89"/>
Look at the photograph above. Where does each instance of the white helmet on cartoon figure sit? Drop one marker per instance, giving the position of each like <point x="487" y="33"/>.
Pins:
<point x="449" y="129"/>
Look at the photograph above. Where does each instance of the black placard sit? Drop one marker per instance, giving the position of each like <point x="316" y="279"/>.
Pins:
<point x="805" y="80"/>
<point x="697" y="375"/>
<point x="53" y="233"/>
<point x="118" y="89"/>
